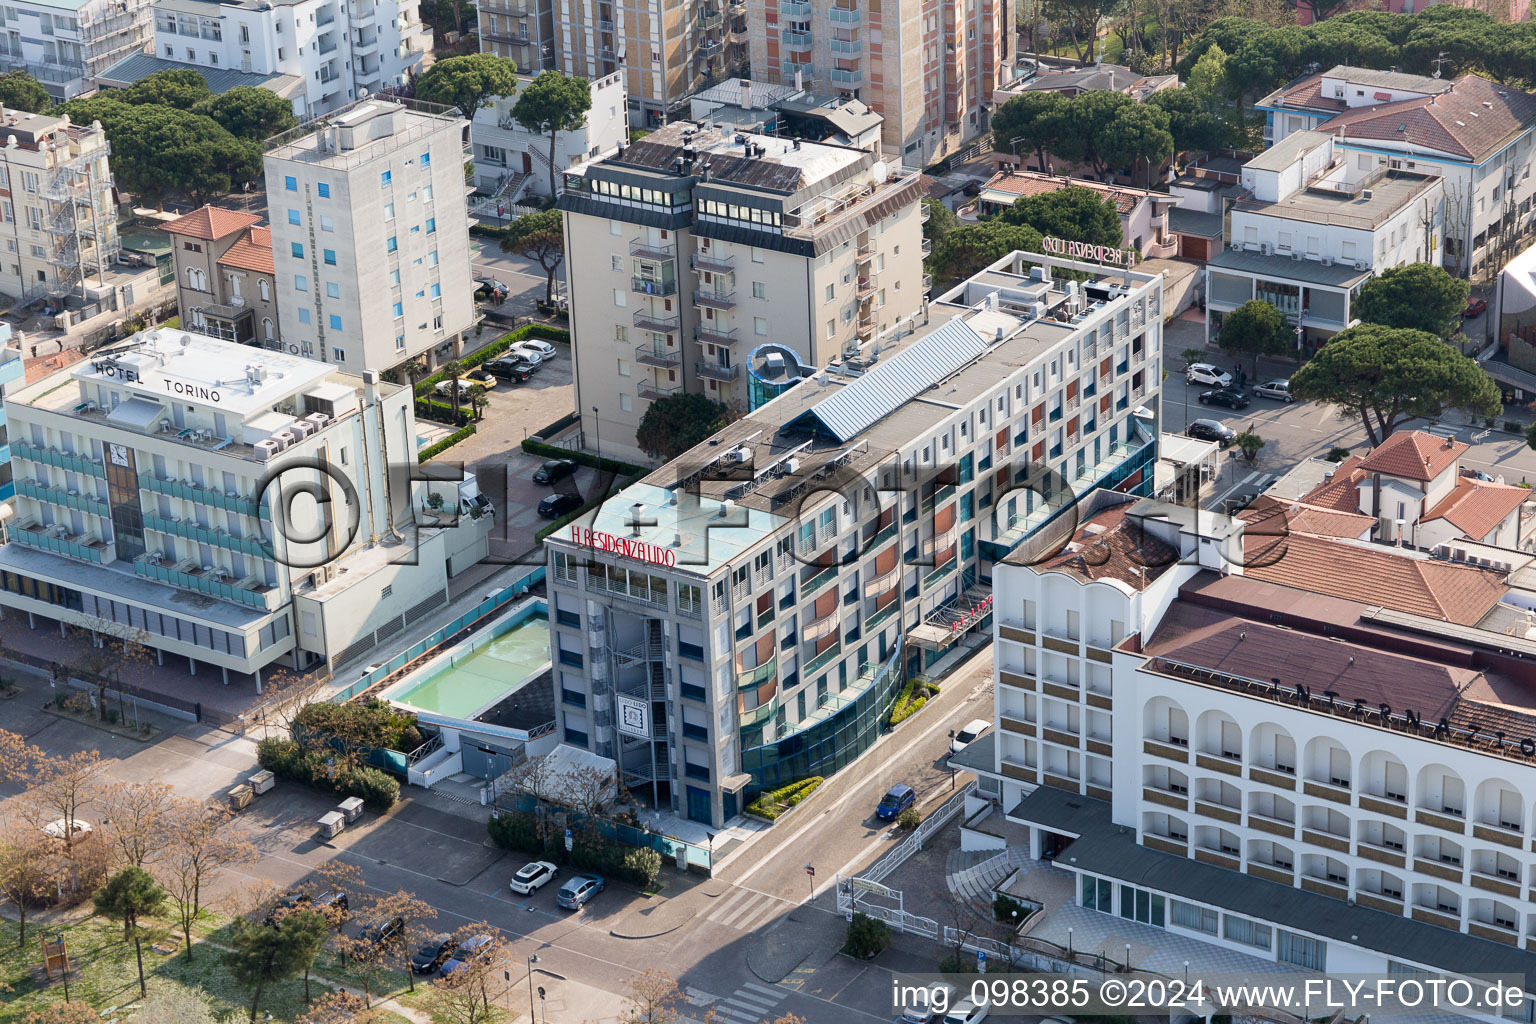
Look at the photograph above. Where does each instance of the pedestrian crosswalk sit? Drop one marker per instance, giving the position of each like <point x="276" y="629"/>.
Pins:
<point x="747" y="909"/>
<point x="750" y="1004"/>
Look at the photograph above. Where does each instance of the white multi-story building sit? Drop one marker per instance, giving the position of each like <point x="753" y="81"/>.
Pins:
<point x="224" y="506"/>
<point x="1313" y="224"/>
<point x="58" y="219"/>
<point x="696" y="246"/>
<point x="320" y="54"/>
<point x="511" y="161"/>
<point x="744" y="615"/>
<point x="1473" y="133"/>
<point x="66" y="44"/>
<point x="370" y="236"/>
<point x="1294" y="744"/>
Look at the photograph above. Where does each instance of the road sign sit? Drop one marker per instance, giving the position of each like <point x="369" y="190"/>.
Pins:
<point x="570" y="840"/>
<point x="810" y="871"/>
<point x="981" y="961"/>
<point x="848" y="916"/>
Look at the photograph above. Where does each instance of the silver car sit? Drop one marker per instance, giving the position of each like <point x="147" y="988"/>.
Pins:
<point x="1280" y="390"/>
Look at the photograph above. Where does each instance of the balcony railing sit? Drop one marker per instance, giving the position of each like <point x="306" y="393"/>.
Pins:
<point x="204" y="496"/>
<point x="823" y="659"/>
<point x="714" y="264"/>
<point x="882" y="583"/>
<point x="878" y="619"/>
<point x="660" y="323"/>
<point x="650" y="286"/>
<point x="218" y="538"/>
<point x="789" y="67"/>
<point x="846" y="76"/>
<point x="938" y="575"/>
<point x="937" y="498"/>
<point x="795" y="9"/>
<point x="644" y="249"/>
<point x="796" y="40"/>
<point x="58" y="459"/>
<point x="59" y="496"/>
<point x="845" y="45"/>
<point x="821" y="627"/>
<point x="655" y="355"/>
<point x="651" y="390"/>
<point x="845" y="16"/>
<point x="715" y="371"/>
<point x="809" y="588"/>
<point x="714" y="336"/>
<point x="85" y="547"/>
<point x="253" y="594"/>
<point x="752" y="678"/>
<point x="715" y="300"/>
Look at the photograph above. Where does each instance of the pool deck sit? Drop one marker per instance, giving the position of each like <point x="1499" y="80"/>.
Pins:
<point x="480" y="670"/>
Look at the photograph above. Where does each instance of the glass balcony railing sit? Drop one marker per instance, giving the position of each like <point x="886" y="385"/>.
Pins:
<point x="754" y="677"/>
<point x="218" y="538"/>
<point x="813" y="585"/>
<point x="823" y="659"/>
<point x="59" y="496"/>
<point x="203" y="584"/>
<point x="937" y="498"/>
<point x="204" y="496"/>
<point x="760" y="714"/>
<point x="651" y="286"/>
<point x="58" y="459"/>
<point x="940" y="574"/>
<point x="845" y="16"/>
<point x="796" y="40"/>
<point x="846" y="76"/>
<point x="34" y="536"/>
<point x="879" y="618"/>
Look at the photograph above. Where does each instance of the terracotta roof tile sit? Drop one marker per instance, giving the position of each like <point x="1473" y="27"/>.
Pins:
<point x="252" y="251"/>
<point x="1472" y="120"/>
<point x="1413" y="455"/>
<point x="1476" y="507"/>
<point x="210" y="222"/>
<point x="1339" y="492"/>
<point x="1032" y="183"/>
<point x="1273" y="517"/>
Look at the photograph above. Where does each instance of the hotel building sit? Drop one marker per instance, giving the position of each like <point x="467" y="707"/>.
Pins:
<point x="1272" y="736"/>
<point x="745" y="615"/>
<point x="173" y="490"/>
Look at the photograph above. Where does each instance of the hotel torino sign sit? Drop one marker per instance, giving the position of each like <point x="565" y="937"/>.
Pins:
<point x="625" y="547"/>
<point x="1084" y="251"/>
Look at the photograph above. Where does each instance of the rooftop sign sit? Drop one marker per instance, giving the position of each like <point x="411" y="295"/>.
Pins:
<point x="1084" y="251"/>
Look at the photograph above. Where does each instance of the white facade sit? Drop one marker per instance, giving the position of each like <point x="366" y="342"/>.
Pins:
<point x="511" y="161"/>
<point x="170" y="490"/>
<point x="65" y="44"/>
<point x="370" y="236"/>
<point x="340" y="50"/>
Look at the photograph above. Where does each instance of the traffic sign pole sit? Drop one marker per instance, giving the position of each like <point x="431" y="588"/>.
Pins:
<point x="810" y="873"/>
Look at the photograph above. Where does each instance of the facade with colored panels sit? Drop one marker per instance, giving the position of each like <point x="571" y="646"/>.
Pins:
<point x="12" y="369"/>
<point x="745" y="615"/>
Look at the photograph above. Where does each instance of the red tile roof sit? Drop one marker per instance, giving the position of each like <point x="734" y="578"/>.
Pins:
<point x="1308" y="94"/>
<point x="1272" y="517"/>
<point x="210" y="222"/>
<point x="1476" y="508"/>
<point x="1033" y="183"/>
<point x="252" y="251"/>
<point x="1340" y="491"/>
<point x="1375" y="575"/>
<point x="1414" y="455"/>
<point x="1472" y="120"/>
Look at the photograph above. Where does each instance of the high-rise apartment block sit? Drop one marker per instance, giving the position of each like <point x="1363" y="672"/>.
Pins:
<point x="929" y="68"/>
<point x="370" y="236"/>
<point x="698" y="245"/>
<point x="65" y="45"/>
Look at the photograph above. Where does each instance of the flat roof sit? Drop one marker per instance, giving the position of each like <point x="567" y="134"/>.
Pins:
<point x="136" y="66"/>
<point x="1284" y="153"/>
<point x="1369" y="207"/>
<point x="1283" y="268"/>
<point x="784" y="165"/>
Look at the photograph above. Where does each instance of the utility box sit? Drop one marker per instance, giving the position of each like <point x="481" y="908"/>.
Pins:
<point x="240" y="797"/>
<point x="331" y="824"/>
<point x="351" y="807"/>
<point x="262" y="781"/>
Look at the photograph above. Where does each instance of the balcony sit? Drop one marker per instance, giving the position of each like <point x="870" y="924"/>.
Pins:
<point x="86" y="547"/>
<point x="796" y="40"/>
<point x="796" y="10"/>
<point x="211" y="583"/>
<point x="709" y="17"/>
<point x="882" y="583"/>
<point x="1440" y="869"/>
<point x="845" y="16"/>
<point x="650" y="286"/>
<point x="752" y="678"/>
<point x="1220" y="763"/>
<point x="1497" y="834"/>
<point x="707" y="49"/>
<point x="1327" y="791"/>
<point x="220" y="538"/>
<point x="936" y="499"/>
<point x="938" y="575"/>
<point x="57" y="459"/>
<point x="1327" y="840"/>
<point x="1165" y="797"/>
<point x="823" y="659"/>
<point x="660" y="252"/>
<point x="845" y="46"/>
<point x="851" y="77"/>
<point x="656" y="355"/>
<point x="812" y="586"/>
<point x="880" y="617"/>
<point x="760" y="714"/>
<point x="710" y="263"/>
<point x="58" y="496"/>
<point x="1501" y="884"/>
<point x="716" y="371"/>
<point x="714" y="336"/>
<point x="715" y="300"/>
<point x="510" y="8"/>
<point x="1381" y="854"/>
<point x="660" y="323"/>
<point x="229" y="501"/>
<point x="1271" y="777"/>
<point x="1448" y="822"/>
<point x="788" y="69"/>
<point x="1171" y="751"/>
<point x="651" y="391"/>
<point x="1274" y="826"/>
<point x="824" y="626"/>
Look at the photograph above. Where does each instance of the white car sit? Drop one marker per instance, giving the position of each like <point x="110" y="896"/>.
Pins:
<point x="58" y="827"/>
<point x="1276" y="389"/>
<point x="533" y="350"/>
<point x="1205" y="373"/>
<point x="533" y="875"/>
<point x="966" y="1012"/>
<point x="925" y="1005"/>
<point x="972" y="731"/>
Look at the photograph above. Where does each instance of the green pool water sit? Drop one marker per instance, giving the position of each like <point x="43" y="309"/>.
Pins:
<point x="479" y="677"/>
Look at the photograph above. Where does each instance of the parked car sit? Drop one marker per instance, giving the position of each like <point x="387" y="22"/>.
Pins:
<point x="472" y="947"/>
<point x="432" y="955"/>
<point x="966" y="1012"/>
<point x="1205" y="373"/>
<point x="320" y="901"/>
<point x="57" y="828"/>
<point x="1210" y="430"/>
<point x="897" y="799"/>
<point x="577" y="891"/>
<point x="557" y="505"/>
<point x="510" y="368"/>
<point x="543" y="348"/>
<point x="1276" y="389"/>
<point x="445" y="387"/>
<point x="969" y="733"/>
<point x="924" y="1005"/>
<point x="525" y="350"/>
<point x="490" y="284"/>
<point x="533" y="875"/>
<point x="1475" y="307"/>
<point x="385" y="929"/>
<point x="1229" y="397"/>
<point x="554" y="469"/>
<point x="1477" y="474"/>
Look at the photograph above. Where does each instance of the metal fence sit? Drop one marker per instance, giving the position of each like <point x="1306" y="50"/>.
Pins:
<point x="899" y="853"/>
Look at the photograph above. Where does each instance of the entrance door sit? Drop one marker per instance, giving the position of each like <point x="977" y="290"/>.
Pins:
<point x="698" y="805"/>
<point x="527" y="163"/>
<point x="728" y="806"/>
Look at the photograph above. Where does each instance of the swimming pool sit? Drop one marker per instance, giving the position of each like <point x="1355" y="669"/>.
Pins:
<point x="476" y="674"/>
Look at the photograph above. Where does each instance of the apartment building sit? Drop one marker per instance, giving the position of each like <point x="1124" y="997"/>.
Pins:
<point x="745" y="615"/>
<point x="57" y="218"/>
<point x="320" y="54"/>
<point x="12" y="370"/>
<point x="1144" y="215"/>
<point x="745" y="105"/>
<point x="1271" y="737"/>
<point x="715" y="242"/>
<point x="511" y="161"/>
<point x="64" y="45"/>
<point x="1312" y="224"/>
<point x="224" y="281"/>
<point x="663" y="52"/>
<point x="178" y="490"/>
<point x="929" y="69"/>
<point x="1473" y="133"/>
<point x="370" y="235"/>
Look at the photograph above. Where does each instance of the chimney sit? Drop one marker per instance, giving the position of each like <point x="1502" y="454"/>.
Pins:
<point x="370" y="387"/>
<point x="746" y="93"/>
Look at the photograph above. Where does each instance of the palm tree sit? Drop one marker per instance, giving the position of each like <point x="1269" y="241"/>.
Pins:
<point x="476" y="399"/>
<point x="451" y="371"/>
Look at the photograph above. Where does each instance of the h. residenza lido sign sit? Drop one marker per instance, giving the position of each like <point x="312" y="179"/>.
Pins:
<point x="1084" y="251"/>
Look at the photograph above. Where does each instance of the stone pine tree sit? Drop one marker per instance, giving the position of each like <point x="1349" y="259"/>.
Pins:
<point x="551" y="104"/>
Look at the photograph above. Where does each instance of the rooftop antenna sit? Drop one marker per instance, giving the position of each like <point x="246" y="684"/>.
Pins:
<point x="1443" y="58"/>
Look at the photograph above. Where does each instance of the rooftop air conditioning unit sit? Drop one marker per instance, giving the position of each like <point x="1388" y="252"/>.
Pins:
<point x="1264" y="248"/>
<point x="1297" y="257"/>
<point x="319" y="419"/>
<point x="279" y="441"/>
<point x="1327" y="261"/>
<point x="1362" y="265"/>
<point x="1366" y="193"/>
<point x="287" y="436"/>
<point x="303" y="428"/>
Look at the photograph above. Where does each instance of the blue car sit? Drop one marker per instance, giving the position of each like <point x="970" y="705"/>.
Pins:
<point x="897" y="800"/>
<point x="576" y="891"/>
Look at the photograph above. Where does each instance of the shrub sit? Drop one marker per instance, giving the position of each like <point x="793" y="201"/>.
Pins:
<point x="1005" y="907"/>
<point x="379" y="790"/>
<point x="867" y="937"/>
<point x="914" y="695"/>
<point x="370" y="723"/>
<point x="1337" y="454"/>
<point x="957" y="963"/>
<point x="909" y="819"/>
<point x="279" y="756"/>
<point x="1513" y="427"/>
<point x="774" y="802"/>
<point x="437" y="448"/>
<point x="515" y="831"/>
<point x="642" y="867"/>
<point x="549" y="451"/>
<point x="289" y="760"/>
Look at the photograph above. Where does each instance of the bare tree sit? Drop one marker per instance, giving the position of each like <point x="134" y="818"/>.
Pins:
<point x="29" y="870"/>
<point x="18" y="758"/>
<point x="654" y="998"/>
<point x="341" y="1008"/>
<point x="415" y="916"/>
<point x="285" y="693"/>
<point x="201" y="843"/>
<point x="64" y="783"/>
<point x="464" y="996"/>
<point x="101" y="651"/>
<point x="136" y="818"/>
<point x="537" y="777"/>
<point x="174" y="1006"/>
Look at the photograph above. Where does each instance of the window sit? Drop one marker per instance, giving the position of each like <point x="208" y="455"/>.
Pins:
<point x="399" y="309"/>
<point x="760" y="326"/>
<point x="326" y="224"/>
<point x="265" y="290"/>
<point x="616" y="263"/>
<point x="1249" y="933"/>
<point x="303" y="315"/>
<point x="332" y="290"/>
<point x="624" y="368"/>
<point x="437" y="291"/>
<point x="330" y="257"/>
<point x="384" y="179"/>
<point x="297" y="249"/>
<point x="335" y="322"/>
<point x="831" y="292"/>
<point x="831" y="327"/>
<point x="759" y="290"/>
<point x="432" y="258"/>
<point x="1291" y="948"/>
<point x="1187" y="915"/>
<point x="426" y="159"/>
<point x="389" y="211"/>
<point x="431" y="225"/>
<point x="341" y="353"/>
<point x="293" y="216"/>
<point x="324" y="189"/>
<point x="391" y="245"/>
<point x="394" y="277"/>
<point x="291" y="183"/>
<point x="300" y="283"/>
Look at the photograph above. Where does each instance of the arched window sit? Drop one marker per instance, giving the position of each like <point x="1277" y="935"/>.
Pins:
<point x="196" y="279"/>
<point x="266" y="321"/>
<point x="266" y="293"/>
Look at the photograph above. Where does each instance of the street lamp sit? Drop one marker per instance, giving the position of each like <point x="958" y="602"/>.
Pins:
<point x="950" y="759"/>
<point x="1186" y="973"/>
<point x="1127" y="958"/>
<point x="531" y="961"/>
<point x="1069" y="945"/>
<point x="597" y="429"/>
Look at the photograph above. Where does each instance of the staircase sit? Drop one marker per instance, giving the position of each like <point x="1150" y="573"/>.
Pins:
<point x="505" y="195"/>
<point x="973" y="876"/>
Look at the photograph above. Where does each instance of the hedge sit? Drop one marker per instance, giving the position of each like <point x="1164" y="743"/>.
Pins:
<point x="549" y="451"/>
<point x="438" y="447"/>
<point x="442" y="412"/>
<point x="496" y="348"/>
<point x="774" y="802"/>
<point x="912" y="699"/>
<point x="314" y="768"/>
<point x="518" y="830"/>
